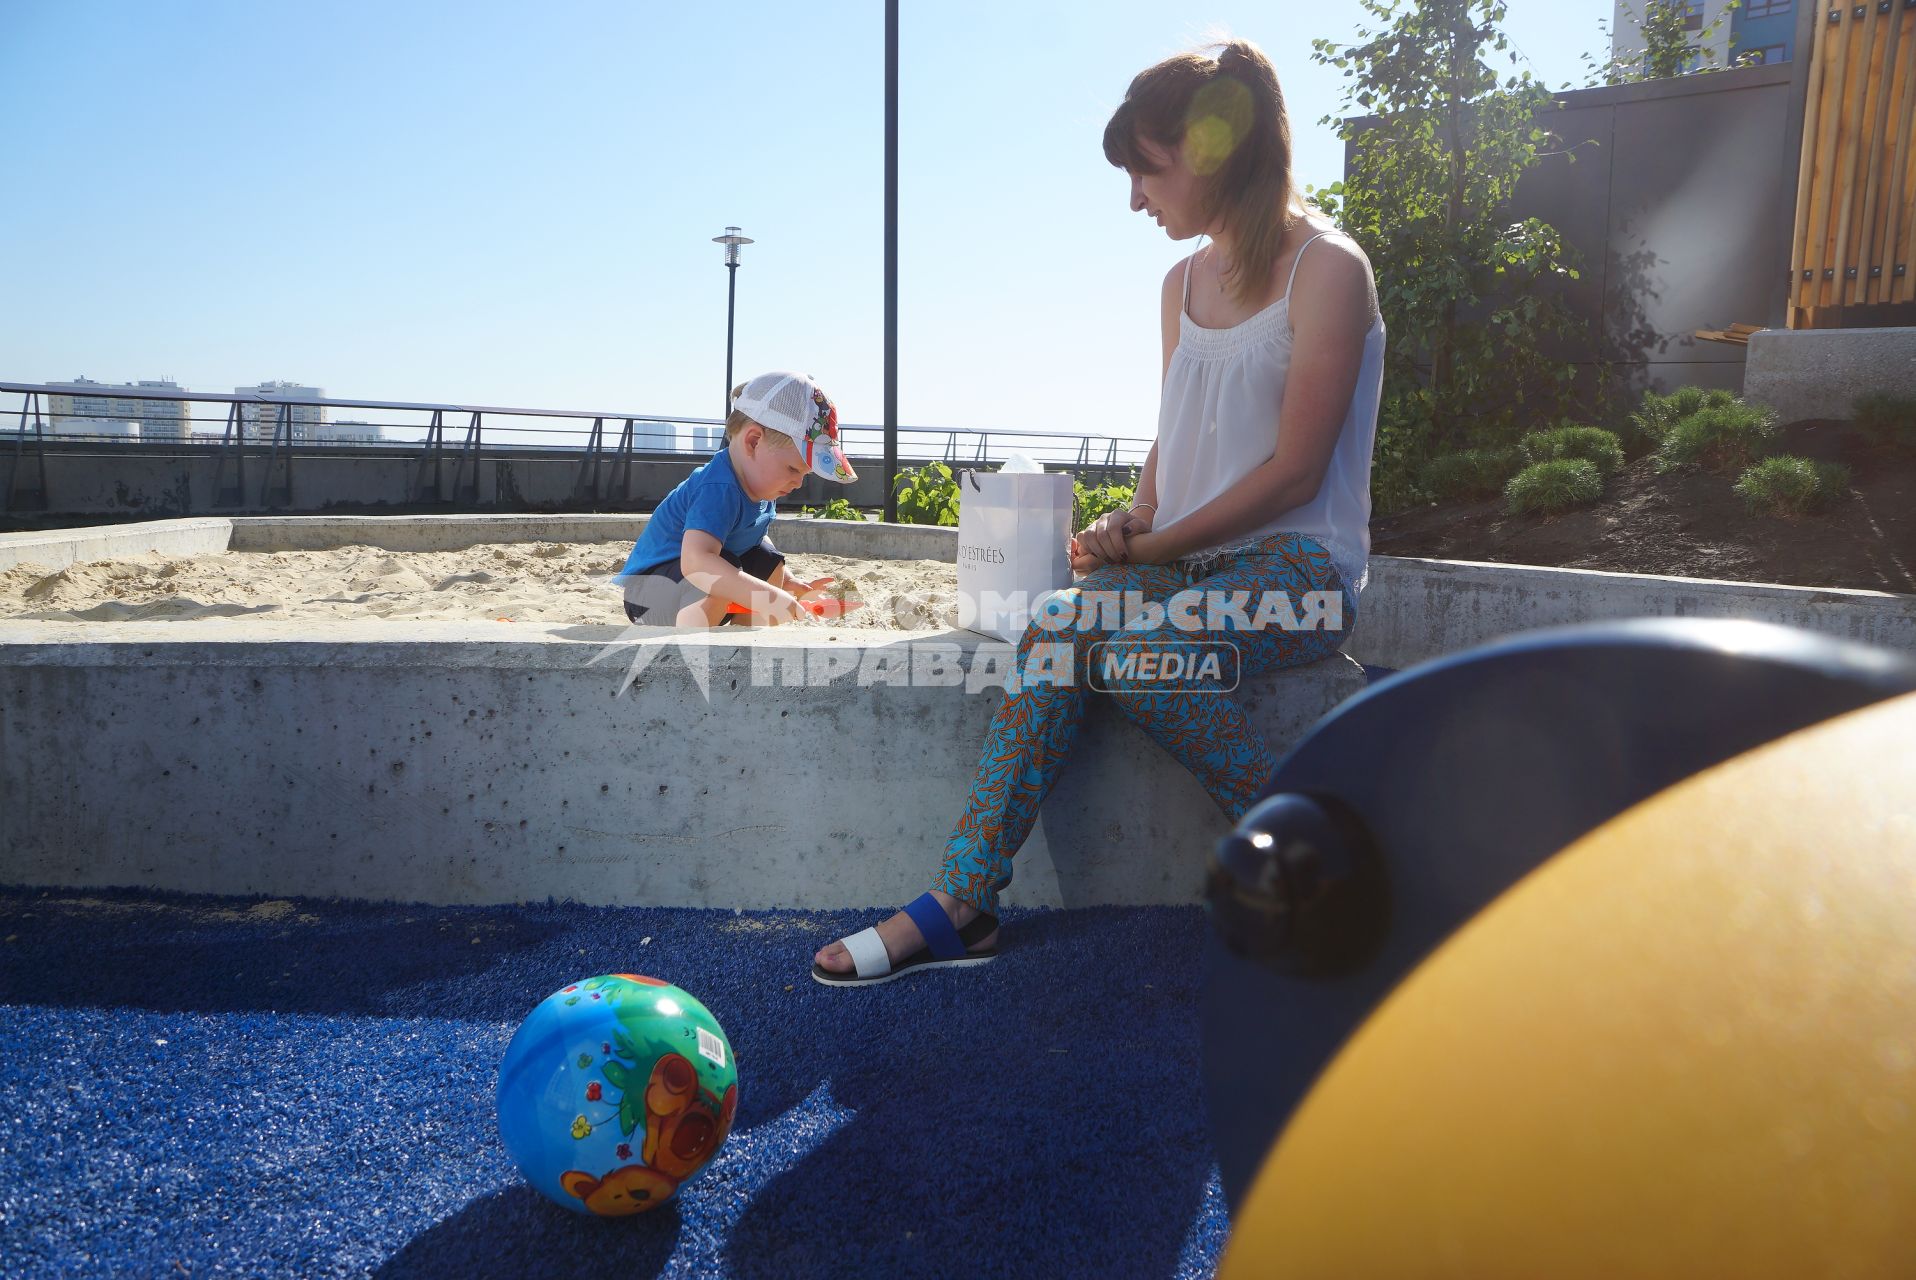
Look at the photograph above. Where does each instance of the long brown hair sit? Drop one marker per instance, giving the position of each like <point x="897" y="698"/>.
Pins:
<point x="1226" y="116"/>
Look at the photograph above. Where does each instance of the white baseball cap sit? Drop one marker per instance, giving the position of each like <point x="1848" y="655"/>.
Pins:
<point x="792" y="403"/>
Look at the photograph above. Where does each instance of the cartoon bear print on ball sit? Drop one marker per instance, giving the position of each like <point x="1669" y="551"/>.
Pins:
<point x="614" y="1091"/>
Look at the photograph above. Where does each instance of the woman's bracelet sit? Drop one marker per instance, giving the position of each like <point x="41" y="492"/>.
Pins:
<point x="1149" y="506"/>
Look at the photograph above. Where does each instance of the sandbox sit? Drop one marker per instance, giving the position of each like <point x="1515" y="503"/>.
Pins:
<point x="483" y="761"/>
<point x="539" y="582"/>
<point x="510" y="581"/>
<point x="466" y="759"/>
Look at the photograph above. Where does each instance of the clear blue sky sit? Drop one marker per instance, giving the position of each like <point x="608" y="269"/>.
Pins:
<point x="510" y="204"/>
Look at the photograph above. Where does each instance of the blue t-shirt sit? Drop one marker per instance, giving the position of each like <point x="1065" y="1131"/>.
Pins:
<point x="710" y="500"/>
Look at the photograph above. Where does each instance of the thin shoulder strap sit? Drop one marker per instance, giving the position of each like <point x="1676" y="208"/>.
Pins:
<point x="1300" y="257"/>
<point x="1184" y="307"/>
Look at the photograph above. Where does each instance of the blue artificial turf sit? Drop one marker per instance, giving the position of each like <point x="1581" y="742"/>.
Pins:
<point x="195" y="1086"/>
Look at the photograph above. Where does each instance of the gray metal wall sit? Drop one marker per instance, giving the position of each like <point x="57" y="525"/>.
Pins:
<point x="1680" y="203"/>
<point x="1682" y="211"/>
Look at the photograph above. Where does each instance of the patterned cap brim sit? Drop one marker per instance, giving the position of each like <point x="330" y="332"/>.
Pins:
<point x="829" y="460"/>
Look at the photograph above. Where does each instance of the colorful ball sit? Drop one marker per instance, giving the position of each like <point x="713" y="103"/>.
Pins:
<point x="614" y="1091"/>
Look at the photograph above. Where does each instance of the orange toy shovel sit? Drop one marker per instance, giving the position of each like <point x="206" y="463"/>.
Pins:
<point x="830" y="607"/>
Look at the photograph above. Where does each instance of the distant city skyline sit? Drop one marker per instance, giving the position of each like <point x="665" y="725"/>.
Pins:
<point x="85" y="406"/>
<point x="96" y="407"/>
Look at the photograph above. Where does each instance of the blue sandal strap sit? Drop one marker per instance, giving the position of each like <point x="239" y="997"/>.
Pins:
<point x="935" y="925"/>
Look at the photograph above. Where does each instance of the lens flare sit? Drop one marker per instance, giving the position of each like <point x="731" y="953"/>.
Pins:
<point x="1220" y="118"/>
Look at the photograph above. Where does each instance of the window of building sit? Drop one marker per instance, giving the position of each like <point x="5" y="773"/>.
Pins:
<point x="1762" y="55"/>
<point x="1766" y="8"/>
<point x="1693" y="15"/>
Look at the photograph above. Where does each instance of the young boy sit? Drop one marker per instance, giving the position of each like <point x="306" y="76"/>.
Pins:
<point x="706" y="545"/>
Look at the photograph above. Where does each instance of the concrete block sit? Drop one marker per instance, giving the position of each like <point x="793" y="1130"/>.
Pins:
<point x="61" y="548"/>
<point x="1819" y="373"/>
<point x="456" y="532"/>
<point x="482" y="762"/>
<point x="427" y="532"/>
<point x="493" y="762"/>
<point x="1415" y="610"/>
<point x="866" y="538"/>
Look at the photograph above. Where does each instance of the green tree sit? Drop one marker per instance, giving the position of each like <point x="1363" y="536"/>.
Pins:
<point x="1428" y="181"/>
<point x="1663" y="27"/>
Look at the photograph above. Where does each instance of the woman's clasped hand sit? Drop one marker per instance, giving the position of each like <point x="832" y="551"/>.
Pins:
<point x="1116" y="537"/>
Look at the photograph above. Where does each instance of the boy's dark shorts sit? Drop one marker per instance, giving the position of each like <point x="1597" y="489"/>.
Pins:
<point x="655" y="597"/>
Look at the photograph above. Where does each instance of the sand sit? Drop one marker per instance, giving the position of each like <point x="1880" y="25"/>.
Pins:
<point x="543" y="582"/>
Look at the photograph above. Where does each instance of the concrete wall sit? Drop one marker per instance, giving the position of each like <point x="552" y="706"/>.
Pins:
<point x="453" y="532"/>
<point x="493" y="762"/>
<point x="158" y="482"/>
<point x="427" y="532"/>
<point x="497" y="762"/>
<point x="1415" y="610"/>
<point x="57" y="549"/>
<point x="155" y="483"/>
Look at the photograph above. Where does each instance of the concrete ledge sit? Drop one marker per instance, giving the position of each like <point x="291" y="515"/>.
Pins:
<point x="493" y="762"/>
<point x="867" y="538"/>
<point x="1415" y="610"/>
<point x="486" y="762"/>
<point x="456" y="532"/>
<point x="58" y="548"/>
<point x="425" y="533"/>
<point x="61" y="548"/>
<point x="1818" y="373"/>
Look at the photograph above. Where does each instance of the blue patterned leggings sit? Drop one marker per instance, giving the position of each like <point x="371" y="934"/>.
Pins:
<point x="1031" y="735"/>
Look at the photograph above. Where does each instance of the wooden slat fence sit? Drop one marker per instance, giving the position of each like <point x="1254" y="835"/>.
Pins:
<point x="1855" y="240"/>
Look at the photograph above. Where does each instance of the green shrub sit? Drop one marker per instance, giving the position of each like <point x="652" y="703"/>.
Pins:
<point x="1659" y="413"/>
<point x="1553" y="487"/>
<point x="836" y="509"/>
<point x="927" y="495"/>
<point x="1721" y="437"/>
<point x="1592" y="444"/>
<point x="1089" y="504"/>
<point x="1470" y="474"/>
<point x="1887" y="420"/>
<point x="1791" y="487"/>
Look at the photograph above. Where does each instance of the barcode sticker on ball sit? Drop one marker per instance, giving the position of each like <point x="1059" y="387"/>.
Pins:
<point x="711" y="1046"/>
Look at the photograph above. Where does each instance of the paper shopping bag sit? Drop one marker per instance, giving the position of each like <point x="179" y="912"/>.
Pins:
<point x="1012" y="531"/>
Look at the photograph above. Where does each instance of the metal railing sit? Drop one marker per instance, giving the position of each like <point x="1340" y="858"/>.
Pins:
<point x="606" y="444"/>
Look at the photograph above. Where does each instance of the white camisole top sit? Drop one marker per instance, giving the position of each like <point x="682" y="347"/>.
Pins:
<point x="1218" y="419"/>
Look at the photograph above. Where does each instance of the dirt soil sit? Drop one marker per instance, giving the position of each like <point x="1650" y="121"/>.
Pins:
<point x="1689" y="523"/>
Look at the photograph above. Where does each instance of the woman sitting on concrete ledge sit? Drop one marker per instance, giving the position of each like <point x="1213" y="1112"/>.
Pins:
<point x="1253" y="505"/>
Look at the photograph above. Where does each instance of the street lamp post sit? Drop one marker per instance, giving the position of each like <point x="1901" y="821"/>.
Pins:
<point x="891" y="261"/>
<point x="731" y="240"/>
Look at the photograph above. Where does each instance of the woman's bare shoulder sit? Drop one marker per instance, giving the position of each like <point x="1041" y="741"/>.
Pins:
<point x="1339" y="258"/>
<point x="1336" y="274"/>
<point x="1316" y="223"/>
